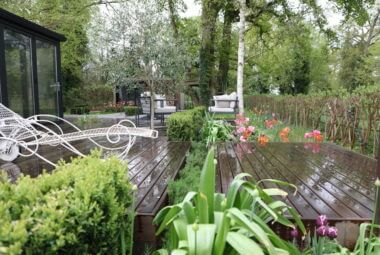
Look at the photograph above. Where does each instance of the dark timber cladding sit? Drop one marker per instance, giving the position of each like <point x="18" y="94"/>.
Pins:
<point x="30" y="68"/>
<point x="330" y="180"/>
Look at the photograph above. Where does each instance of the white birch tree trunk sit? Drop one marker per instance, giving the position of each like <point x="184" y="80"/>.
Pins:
<point x="240" y="70"/>
<point x="152" y="104"/>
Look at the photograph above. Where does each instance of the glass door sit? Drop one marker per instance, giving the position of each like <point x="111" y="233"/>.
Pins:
<point x="48" y="85"/>
<point x="18" y="66"/>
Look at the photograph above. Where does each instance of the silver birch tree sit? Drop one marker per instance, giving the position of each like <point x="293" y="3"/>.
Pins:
<point x="241" y="50"/>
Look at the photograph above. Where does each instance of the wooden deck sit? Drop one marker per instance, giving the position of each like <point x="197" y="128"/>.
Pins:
<point x="151" y="162"/>
<point x="330" y="180"/>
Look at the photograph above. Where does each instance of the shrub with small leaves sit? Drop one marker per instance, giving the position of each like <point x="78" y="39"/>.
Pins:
<point x="185" y="126"/>
<point x="81" y="208"/>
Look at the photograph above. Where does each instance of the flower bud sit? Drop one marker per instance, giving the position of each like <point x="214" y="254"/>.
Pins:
<point x="332" y="232"/>
<point x="195" y="227"/>
<point x="322" y="231"/>
<point x="134" y="188"/>
<point x="294" y="233"/>
<point x="223" y="204"/>
<point x="377" y="183"/>
<point x="321" y="220"/>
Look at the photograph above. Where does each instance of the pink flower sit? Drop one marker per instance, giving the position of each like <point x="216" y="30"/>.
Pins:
<point x="251" y="129"/>
<point x="322" y="231"/>
<point x="332" y="232"/>
<point x="242" y="139"/>
<point x="241" y="120"/>
<point x="308" y="135"/>
<point x="316" y="132"/>
<point x="321" y="220"/>
<point x="294" y="233"/>
<point x="240" y="130"/>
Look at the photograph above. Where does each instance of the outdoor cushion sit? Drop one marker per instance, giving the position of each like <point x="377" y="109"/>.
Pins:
<point x="220" y="103"/>
<point x="166" y="109"/>
<point x="160" y="103"/>
<point x="220" y="110"/>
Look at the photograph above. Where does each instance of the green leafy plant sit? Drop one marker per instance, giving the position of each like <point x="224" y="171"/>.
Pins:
<point x="86" y="121"/>
<point x="206" y="222"/>
<point x="188" y="177"/>
<point x="215" y="130"/>
<point x="185" y="126"/>
<point x="83" y="207"/>
<point x="131" y="110"/>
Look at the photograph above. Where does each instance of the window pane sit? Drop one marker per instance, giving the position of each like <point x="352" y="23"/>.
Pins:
<point x="47" y="77"/>
<point x="18" y="67"/>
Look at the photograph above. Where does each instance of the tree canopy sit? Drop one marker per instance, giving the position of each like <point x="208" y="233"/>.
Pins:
<point x="290" y="46"/>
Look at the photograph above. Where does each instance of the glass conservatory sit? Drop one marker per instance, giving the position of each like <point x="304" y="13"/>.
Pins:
<point x="30" y="70"/>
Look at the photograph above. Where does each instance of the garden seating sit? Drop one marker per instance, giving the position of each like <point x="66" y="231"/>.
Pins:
<point x="161" y="107"/>
<point x="224" y="104"/>
<point x="23" y="136"/>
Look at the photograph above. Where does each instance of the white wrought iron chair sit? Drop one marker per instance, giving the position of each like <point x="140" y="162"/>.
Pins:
<point x="17" y="133"/>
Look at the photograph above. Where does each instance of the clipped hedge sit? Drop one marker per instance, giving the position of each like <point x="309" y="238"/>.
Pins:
<point x="185" y="126"/>
<point x="81" y="208"/>
<point x="131" y="110"/>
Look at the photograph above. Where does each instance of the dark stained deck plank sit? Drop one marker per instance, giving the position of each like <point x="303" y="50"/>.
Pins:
<point x="315" y="178"/>
<point x="226" y="176"/>
<point x="352" y="166"/>
<point x="361" y="193"/>
<point x="166" y="170"/>
<point x="326" y="185"/>
<point x="151" y="162"/>
<point x="267" y="170"/>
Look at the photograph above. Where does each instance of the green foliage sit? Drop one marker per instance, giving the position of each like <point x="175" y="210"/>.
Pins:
<point x="344" y="118"/>
<point x="87" y="122"/>
<point x="296" y="134"/>
<point x="112" y="108"/>
<point x="84" y="109"/>
<point x="68" y="18"/>
<point x="188" y="177"/>
<point x="356" y="66"/>
<point x="90" y="95"/>
<point x="287" y="65"/>
<point x="185" y="126"/>
<point x="215" y="130"/>
<point x="206" y="222"/>
<point x="81" y="208"/>
<point x="131" y="110"/>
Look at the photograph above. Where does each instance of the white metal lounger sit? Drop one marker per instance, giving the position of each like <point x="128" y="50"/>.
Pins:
<point x="18" y="133"/>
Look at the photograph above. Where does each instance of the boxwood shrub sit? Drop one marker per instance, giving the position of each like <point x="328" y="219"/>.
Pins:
<point x="131" y="110"/>
<point x="185" y="126"/>
<point x="83" y="207"/>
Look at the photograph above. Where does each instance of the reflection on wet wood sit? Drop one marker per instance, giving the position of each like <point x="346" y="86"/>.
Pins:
<point x="330" y="179"/>
<point x="151" y="162"/>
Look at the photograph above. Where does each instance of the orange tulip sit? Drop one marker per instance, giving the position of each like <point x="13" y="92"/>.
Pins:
<point x="284" y="134"/>
<point x="263" y="139"/>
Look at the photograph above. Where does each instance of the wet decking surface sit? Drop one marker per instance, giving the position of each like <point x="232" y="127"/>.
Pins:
<point x="151" y="164"/>
<point x="330" y="180"/>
